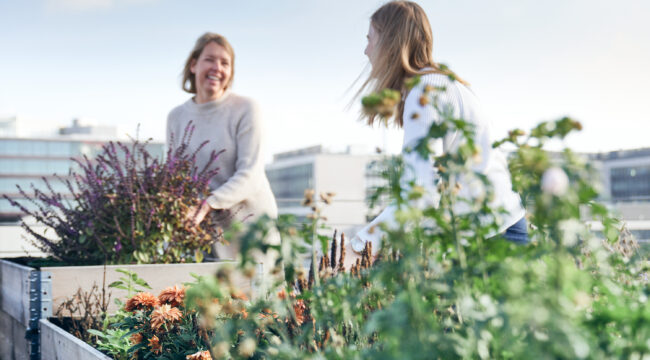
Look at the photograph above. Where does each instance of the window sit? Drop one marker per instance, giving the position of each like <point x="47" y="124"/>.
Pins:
<point x="289" y="183"/>
<point x="630" y="183"/>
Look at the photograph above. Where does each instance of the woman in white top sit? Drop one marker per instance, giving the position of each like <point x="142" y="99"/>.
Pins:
<point x="400" y="46"/>
<point x="229" y="122"/>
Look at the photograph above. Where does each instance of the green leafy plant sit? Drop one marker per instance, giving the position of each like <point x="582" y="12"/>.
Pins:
<point x="443" y="283"/>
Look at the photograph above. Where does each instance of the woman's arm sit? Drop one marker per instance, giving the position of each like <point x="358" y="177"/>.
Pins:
<point x="244" y="183"/>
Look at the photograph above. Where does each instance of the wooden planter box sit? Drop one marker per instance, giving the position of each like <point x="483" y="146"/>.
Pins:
<point x="28" y="295"/>
<point x="57" y="343"/>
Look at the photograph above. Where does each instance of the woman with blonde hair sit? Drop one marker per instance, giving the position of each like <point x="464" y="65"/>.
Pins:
<point x="400" y="46"/>
<point x="230" y="122"/>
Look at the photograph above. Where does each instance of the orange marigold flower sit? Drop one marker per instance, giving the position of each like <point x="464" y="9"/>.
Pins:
<point x="238" y="295"/>
<point x="282" y="294"/>
<point x="299" y="308"/>
<point x="201" y="355"/>
<point x="267" y="313"/>
<point x="163" y="314"/>
<point x="140" y="301"/>
<point x="136" y="338"/>
<point x="154" y="345"/>
<point x="172" y="295"/>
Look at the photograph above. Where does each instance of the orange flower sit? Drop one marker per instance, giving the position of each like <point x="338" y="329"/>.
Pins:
<point x="244" y="314"/>
<point x="164" y="313"/>
<point x="172" y="295"/>
<point x="267" y="313"/>
<point x="140" y="301"/>
<point x="299" y="308"/>
<point x="238" y="295"/>
<point x="154" y="345"/>
<point x="201" y="355"/>
<point x="282" y="294"/>
<point x="136" y="338"/>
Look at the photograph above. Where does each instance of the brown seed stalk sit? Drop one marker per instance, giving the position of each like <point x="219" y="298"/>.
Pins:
<point x="342" y="254"/>
<point x="333" y="252"/>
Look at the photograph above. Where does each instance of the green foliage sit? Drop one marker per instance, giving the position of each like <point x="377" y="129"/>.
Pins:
<point x="130" y="282"/>
<point x="113" y="341"/>
<point x="445" y="287"/>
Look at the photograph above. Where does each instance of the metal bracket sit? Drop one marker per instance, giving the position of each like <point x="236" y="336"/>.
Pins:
<point x="40" y="307"/>
<point x="46" y="294"/>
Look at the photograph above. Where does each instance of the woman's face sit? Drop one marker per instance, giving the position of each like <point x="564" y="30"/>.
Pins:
<point x="371" y="48"/>
<point x="212" y="72"/>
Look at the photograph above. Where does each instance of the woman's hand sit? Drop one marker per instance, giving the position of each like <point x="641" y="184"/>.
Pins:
<point x="196" y="214"/>
<point x="350" y="256"/>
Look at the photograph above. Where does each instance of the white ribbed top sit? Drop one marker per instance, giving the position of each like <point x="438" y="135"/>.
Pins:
<point x="492" y="162"/>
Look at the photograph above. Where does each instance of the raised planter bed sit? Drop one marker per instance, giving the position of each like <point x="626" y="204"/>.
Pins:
<point x="28" y="295"/>
<point x="57" y="343"/>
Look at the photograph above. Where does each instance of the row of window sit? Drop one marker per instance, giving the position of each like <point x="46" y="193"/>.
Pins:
<point x="47" y="148"/>
<point x="65" y="149"/>
<point x="630" y="182"/>
<point x="35" y="166"/>
<point x="291" y="182"/>
<point x="8" y="185"/>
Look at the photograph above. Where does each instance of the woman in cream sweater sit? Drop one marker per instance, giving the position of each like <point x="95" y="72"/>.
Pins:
<point x="230" y="122"/>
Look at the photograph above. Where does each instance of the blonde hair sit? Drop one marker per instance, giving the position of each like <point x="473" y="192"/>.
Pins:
<point x="404" y="49"/>
<point x="189" y="80"/>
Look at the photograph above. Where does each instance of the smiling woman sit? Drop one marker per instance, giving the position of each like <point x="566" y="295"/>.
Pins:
<point x="230" y="122"/>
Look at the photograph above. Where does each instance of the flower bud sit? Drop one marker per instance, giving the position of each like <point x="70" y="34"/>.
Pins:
<point x="555" y="181"/>
<point x="247" y="348"/>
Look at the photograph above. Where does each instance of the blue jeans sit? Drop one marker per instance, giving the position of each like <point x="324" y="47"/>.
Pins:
<point x="518" y="233"/>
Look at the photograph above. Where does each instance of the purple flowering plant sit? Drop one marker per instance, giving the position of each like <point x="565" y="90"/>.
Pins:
<point x="127" y="206"/>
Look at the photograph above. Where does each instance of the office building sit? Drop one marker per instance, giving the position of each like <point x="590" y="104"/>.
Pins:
<point x="29" y="162"/>
<point x="348" y="174"/>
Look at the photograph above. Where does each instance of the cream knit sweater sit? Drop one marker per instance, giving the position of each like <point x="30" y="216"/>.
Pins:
<point x="230" y="123"/>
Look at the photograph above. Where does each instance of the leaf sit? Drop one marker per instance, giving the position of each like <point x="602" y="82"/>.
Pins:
<point x="97" y="333"/>
<point x="115" y="283"/>
<point x="142" y="283"/>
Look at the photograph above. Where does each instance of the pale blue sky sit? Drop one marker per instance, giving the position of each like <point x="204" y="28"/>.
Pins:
<point x="119" y="61"/>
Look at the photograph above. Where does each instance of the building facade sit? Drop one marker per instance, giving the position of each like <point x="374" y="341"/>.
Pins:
<point x="34" y="162"/>
<point x="625" y="176"/>
<point x="346" y="174"/>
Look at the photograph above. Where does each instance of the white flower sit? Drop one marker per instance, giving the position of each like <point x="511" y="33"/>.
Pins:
<point x="555" y="181"/>
<point x="571" y="231"/>
<point x="247" y="348"/>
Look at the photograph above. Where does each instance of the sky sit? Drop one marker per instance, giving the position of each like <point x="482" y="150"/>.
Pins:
<point x="118" y="62"/>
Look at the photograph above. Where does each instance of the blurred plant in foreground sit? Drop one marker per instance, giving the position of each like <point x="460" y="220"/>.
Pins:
<point x="442" y="285"/>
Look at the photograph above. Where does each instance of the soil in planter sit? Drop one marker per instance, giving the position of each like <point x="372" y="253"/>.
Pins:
<point x="74" y="327"/>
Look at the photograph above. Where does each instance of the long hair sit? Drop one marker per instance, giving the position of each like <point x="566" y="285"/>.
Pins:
<point x="404" y="49"/>
<point x="189" y="80"/>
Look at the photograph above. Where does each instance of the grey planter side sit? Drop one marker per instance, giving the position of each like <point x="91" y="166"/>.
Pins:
<point x="58" y="344"/>
<point x="19" y="311"/>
